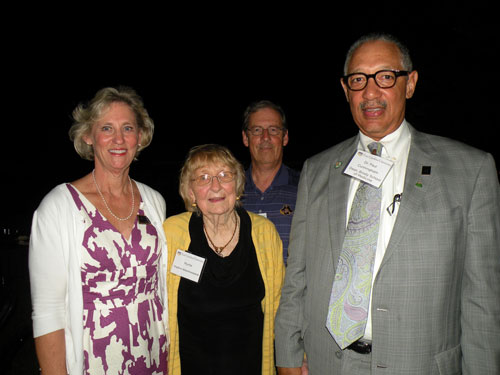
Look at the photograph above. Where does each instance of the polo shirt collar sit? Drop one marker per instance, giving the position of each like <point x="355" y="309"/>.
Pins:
<point x="281" y="177"/>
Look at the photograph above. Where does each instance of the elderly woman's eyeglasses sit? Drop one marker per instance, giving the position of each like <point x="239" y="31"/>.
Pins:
<point x="384" y="79"/>
<point x="222" y="177"/>
<point x="258" y="130"/>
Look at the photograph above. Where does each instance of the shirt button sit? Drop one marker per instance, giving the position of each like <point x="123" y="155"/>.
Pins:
<point x="261" y="198"/>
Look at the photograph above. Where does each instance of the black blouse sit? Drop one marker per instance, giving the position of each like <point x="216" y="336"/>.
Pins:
<point x="220" y="318"/>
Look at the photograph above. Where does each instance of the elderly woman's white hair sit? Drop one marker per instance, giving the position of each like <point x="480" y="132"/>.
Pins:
<point x="201" y="156"/>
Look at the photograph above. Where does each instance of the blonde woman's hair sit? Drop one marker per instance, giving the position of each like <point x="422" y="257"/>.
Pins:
<point x="85" y="116"/>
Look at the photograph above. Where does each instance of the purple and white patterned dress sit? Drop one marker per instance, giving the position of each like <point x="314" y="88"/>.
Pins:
<point x="123" y="329"/>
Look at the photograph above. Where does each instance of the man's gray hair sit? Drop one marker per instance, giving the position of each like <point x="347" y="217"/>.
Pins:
<point x="403" y="50"/>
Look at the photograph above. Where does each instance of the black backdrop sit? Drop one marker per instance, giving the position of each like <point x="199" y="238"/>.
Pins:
<point x="197" y="69"/>
<point x="197" y="66"/>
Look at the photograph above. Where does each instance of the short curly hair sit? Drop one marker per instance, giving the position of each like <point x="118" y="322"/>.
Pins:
<point x="203" y="155"/>
<point x="85" y="116"/>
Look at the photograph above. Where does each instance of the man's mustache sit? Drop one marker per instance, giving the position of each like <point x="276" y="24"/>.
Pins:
<point x="373" y="104"/>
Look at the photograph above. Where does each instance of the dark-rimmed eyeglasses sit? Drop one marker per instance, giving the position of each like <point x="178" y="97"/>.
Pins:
<point x="222" y="177"/>
<point x="259" y="130"/>
<point x="384" y="79"/>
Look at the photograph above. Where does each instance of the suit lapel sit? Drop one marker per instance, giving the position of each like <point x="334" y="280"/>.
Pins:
<point x="338" y="192"/>
<point x="418" y="181"/>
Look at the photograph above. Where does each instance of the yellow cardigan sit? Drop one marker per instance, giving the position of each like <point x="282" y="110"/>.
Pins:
<point x="269" y="251"/>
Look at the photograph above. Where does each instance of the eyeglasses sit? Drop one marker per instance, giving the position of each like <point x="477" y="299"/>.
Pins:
<point x="259" y="130"/>
<point x="384" y="79"/>
<point x="222" y="177"/>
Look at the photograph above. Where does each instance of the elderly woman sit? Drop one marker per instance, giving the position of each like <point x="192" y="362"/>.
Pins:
<point x="221" y="320"/>
<point x="97" y="252"/>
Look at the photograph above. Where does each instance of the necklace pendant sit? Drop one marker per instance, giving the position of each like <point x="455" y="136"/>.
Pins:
<point x="218" y="250"/>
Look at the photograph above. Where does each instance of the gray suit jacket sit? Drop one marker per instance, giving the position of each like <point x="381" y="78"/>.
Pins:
<point x="436" y="297"/>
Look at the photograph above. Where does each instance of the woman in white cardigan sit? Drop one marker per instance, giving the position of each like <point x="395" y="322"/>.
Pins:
<point x="97" y="252"/>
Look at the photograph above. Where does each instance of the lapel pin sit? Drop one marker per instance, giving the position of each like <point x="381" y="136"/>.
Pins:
<point x="143" y="219"/>
<point x="426" y="170"/>
<point x="418" y="184"/>
<point x="286" y="210"/>
<point x="338" y="164"/>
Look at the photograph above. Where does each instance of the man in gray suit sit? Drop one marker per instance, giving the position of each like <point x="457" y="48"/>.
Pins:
<point x="433" y="290"/>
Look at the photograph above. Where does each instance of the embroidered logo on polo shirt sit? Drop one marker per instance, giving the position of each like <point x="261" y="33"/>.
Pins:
<point x="286" y="210"/>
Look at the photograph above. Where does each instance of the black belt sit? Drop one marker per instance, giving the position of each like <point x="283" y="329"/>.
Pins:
<point x="362" y="347"/>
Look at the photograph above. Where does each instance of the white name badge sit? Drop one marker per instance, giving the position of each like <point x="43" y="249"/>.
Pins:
<point x="370" y="169"/>
<point x="188" y="265"/>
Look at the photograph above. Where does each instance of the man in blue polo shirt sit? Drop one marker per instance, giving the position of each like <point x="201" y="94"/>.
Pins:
<point x="271" y="186"/>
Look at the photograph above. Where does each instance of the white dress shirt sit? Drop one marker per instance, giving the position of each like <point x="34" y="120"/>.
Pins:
<point x="396" y="149"/>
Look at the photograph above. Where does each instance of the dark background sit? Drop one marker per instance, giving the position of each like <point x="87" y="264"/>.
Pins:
<point x="197" y="68"/>
<point x="197" y="75"/>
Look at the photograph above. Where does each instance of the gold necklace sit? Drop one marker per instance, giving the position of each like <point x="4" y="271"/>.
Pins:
<point x="219" y="250"/>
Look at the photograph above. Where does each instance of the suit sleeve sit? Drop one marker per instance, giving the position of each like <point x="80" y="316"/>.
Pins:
<point x="289" y="326"/>
<point x="481" y="280"/>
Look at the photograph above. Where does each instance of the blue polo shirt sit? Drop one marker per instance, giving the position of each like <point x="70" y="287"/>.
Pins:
<point x="277" y="203"/>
